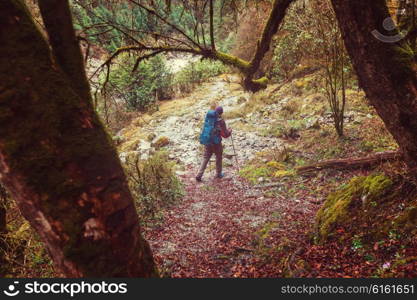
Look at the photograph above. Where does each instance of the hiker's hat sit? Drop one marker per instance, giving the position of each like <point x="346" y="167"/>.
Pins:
<point x="219" y="110"/>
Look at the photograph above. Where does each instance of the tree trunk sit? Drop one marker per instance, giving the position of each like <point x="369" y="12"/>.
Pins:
<point x="57" y="18"/>
<point x="58" y="163"/>
<point x="3" y="231"/>
<point x="276" y="17"/>
<point x="386" y="72"/>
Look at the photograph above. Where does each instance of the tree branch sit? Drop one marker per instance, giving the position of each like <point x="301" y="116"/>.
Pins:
<point x="173" y="26"/>
<point x="275" y="19"/>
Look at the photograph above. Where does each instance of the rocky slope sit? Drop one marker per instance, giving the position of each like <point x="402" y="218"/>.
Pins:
<point x="180" y="122"/>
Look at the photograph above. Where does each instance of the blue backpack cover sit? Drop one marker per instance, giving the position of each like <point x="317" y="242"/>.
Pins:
<point x="208" y="135"/>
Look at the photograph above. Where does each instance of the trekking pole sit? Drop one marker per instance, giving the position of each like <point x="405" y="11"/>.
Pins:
<point x="234" y="150"/>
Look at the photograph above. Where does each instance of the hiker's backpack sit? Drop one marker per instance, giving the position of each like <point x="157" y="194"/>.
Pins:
<point x="208" y="134"/>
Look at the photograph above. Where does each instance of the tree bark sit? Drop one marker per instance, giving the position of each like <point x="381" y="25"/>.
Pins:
<point x="351" y="163"/>
<point x="59" y="164"/>
<point x="386" y="71"/>
<point x="3" y="231"/>
<point x="57" y="18"/>
<point x="276" y="17"/>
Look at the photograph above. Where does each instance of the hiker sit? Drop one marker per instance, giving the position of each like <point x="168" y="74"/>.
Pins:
<point x="211" y="137"/>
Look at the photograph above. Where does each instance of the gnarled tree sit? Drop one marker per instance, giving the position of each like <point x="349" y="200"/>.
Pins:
<point x="386" y="70"/>
<point x="148" y="43"/>
<point x="56" y="159"/>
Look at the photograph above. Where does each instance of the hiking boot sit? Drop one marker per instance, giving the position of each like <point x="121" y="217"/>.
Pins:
<point x="220" y="176"/>
<point x="198" y="179"/>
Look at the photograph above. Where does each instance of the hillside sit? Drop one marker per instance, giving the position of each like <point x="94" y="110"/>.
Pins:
<point x="263" y="219"/>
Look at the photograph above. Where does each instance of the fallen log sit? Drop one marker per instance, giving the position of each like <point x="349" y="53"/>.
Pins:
<point x="351" y="163"/>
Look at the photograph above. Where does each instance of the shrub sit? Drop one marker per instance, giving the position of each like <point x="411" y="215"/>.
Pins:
<point x="154" y="185"/>
<point x="140" y="89"/>
<point x="197" y="72"/>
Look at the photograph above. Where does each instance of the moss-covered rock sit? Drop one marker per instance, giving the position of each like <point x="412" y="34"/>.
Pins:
<point x="340" y="205"/>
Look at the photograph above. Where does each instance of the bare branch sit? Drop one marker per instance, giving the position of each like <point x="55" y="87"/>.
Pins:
<point x="173" y="26"/>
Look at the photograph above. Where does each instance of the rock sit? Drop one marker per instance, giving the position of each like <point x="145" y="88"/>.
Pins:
<point x="161" y="142"/>
<point x="241" y="100"/>
<point x="180" y="173"/>
<point x="122" y="157"/>
<point x="143" y="146"/>
<point x="313" y="123"/>
<point x="228" y="163"/>
<point x="117" y="139"/>
<point x="122" y="132"/>
<point x="151" y="137"/>
<point x="125" y="156"/>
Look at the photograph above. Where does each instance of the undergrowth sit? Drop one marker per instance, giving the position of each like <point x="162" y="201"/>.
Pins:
<point x="154" y="186"/>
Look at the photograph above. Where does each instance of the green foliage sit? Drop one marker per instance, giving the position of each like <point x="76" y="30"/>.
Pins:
<point x="197" y="72"/>
<point x="154" y="185"/>
<point x="142" y="88"/>
<point x="288" y="52"/>
<point x="288" y="130"/>
<point x="22" y="252"/>
<point x="96" y="22"/>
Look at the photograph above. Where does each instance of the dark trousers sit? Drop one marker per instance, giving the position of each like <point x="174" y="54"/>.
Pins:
<point x="216" y="149"/>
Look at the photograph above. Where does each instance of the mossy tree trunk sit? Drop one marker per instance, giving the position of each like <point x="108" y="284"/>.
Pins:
<point x="57" y="18"/>
<point x="189" y="45"/>
<point x="276" y="17"/>
<point x="58" y="162"/>
<point x="386" y="72"/>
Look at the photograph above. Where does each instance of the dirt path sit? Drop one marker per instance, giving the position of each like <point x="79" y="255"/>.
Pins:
<point x="221" y="226"/>
<point x="180" y="121"/>
<point x="211" y="231"/>
<point x="216" y="230"/>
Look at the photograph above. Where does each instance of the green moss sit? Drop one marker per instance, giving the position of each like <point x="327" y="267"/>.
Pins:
<point x="232" y="61"/>
<point x="261" y="81"/>
<point x="255" y="171"/>
<point x="339" y="205"/>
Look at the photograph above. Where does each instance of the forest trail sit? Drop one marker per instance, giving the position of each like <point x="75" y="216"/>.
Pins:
<point x="180" y="120"/>
<point x="221" y="226"/>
